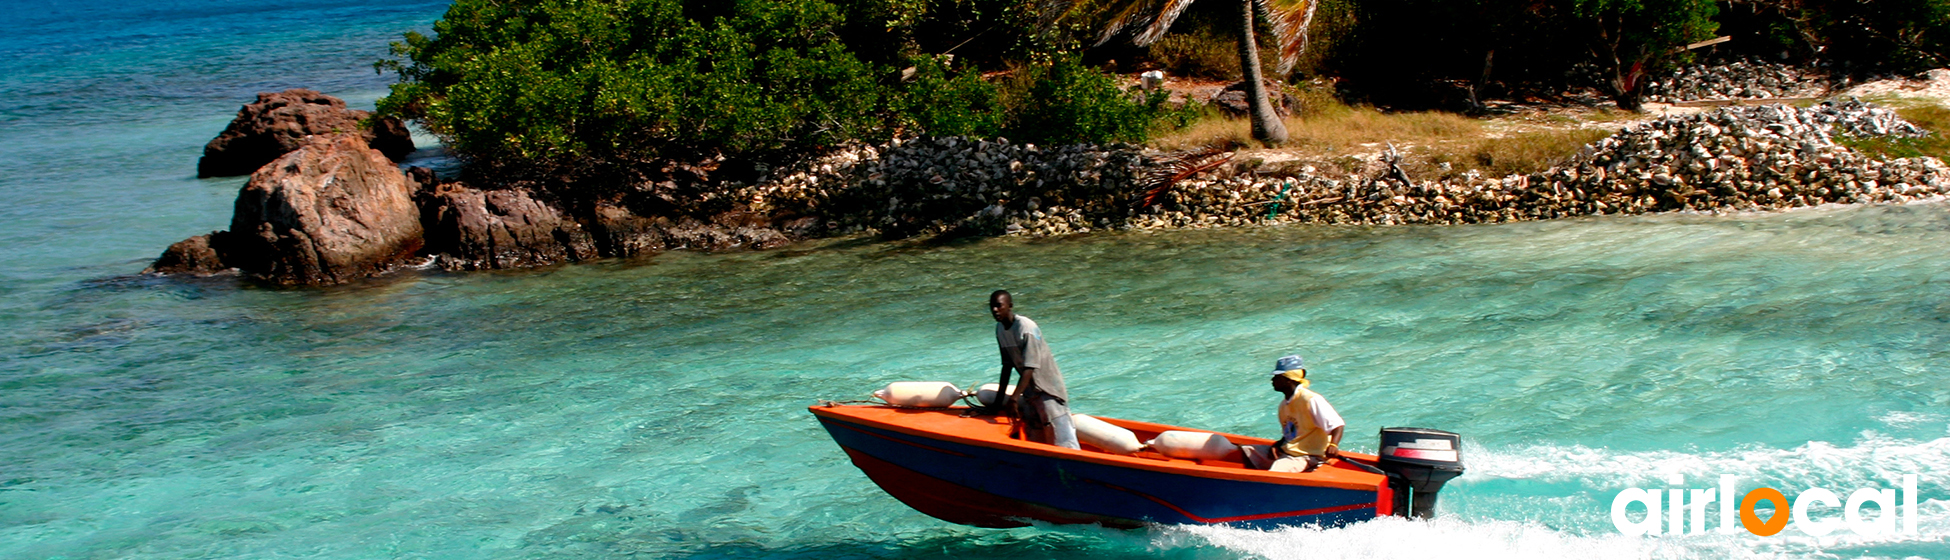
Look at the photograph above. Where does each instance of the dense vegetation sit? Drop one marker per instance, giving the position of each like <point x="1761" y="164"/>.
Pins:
<point x="604" y="90"/>
<point x="583" y="94"/>
<point x="1452" y="52"/>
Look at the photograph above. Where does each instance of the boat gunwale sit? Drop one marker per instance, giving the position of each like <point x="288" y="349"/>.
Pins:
<point x="1141" y="463"/>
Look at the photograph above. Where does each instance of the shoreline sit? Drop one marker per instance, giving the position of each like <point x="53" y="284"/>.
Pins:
<point x="1763" y="158"/>
<point x="1731" y="159"/>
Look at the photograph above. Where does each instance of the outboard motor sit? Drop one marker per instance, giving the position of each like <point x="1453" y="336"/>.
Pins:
<point x="1419" y="460"/>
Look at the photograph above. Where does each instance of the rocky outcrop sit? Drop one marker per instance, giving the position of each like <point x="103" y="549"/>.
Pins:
<point x="470" y="229"/>
<point x="337" y="210"/>
<point x="331" y="212"/>
<point x="277" y="123"/>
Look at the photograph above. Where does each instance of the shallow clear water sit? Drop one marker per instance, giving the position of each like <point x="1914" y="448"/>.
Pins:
<point x="655" y="408"/>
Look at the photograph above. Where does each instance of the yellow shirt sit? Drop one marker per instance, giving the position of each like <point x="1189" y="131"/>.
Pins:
<point x="1305" y="420"/>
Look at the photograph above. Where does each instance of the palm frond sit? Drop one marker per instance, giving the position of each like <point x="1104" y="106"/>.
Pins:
<point x="1046" y="13"/>
<point x="1170" y="169"/>
<point x="1291" y="20"/>
<point x="1154" y="16"/>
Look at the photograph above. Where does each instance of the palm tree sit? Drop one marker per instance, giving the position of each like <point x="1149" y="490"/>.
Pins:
<point x="1290" y="19"/>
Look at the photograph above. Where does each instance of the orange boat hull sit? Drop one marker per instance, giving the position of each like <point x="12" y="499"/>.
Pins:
<point x="968" y="471"/>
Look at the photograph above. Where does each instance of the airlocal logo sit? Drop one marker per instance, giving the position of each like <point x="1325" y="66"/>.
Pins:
<point x="1681" y="501"/>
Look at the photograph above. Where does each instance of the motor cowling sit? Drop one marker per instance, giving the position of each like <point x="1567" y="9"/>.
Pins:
<point x="1418" y="462"/>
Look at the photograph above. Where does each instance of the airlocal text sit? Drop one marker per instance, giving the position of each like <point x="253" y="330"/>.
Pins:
<point x="1670" y="516"/>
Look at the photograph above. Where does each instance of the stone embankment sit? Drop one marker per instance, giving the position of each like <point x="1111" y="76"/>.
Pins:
<point x="944" y="185"/>
<point x="1734" y="159"/>
<point x="1730" y="159"/>
<point x="1745" y="79"/>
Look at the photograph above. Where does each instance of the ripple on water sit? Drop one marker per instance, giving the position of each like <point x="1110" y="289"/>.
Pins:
<point x="656" y="407"/>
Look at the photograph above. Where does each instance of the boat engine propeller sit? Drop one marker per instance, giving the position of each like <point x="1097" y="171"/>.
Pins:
<point x="1419" y="460"/>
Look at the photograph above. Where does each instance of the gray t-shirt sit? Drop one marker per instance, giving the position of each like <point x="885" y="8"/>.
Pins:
<point x="1023" y="347"/>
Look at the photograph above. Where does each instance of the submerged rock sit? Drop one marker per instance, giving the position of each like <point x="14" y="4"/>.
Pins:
<point x="196" y="256"/>
<point x="277" y="123"/>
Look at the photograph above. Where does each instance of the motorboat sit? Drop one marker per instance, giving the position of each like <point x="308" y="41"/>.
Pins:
<point x="966" y="468"/>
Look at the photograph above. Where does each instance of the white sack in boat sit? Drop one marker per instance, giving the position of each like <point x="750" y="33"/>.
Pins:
<point x="1105" y="435"/>
<point x="986" y="393"/>
<point x="921" y="394"/>
<point x="1192" y="445"/>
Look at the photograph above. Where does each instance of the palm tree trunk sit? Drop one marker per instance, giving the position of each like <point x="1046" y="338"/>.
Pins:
<point x="1267" y="126"/>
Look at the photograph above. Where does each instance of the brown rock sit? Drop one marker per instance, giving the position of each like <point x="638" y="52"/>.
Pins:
<point x="331" y="212"/>
<point x="622" y="233"/>
<point x="479" y="230"/>
<point x="422" y="179"/>
<point x="278" y="123"/>
<point x="389" y="136"/>
<point x="1233" y="99"/>
<point x="194" y="256"/>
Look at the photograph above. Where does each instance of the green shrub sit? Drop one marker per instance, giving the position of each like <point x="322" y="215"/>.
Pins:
<point x="609" y="82"/>
<point x="600" y="94"/>
<point x="1063" y="102"/>
<point x="1066" y="102"/>
<point x="943" y="104"/>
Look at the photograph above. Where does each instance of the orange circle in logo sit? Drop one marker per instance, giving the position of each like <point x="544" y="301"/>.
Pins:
<point x="1775" y="523"/>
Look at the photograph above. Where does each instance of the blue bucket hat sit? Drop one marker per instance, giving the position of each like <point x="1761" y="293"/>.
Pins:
<point x="1288" y="363"/>
<point x="1291" y="367"/>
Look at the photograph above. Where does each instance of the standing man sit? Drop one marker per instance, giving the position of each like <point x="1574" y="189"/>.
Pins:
<point x="1040" y="403"/>
<point x="1310" y="429"/>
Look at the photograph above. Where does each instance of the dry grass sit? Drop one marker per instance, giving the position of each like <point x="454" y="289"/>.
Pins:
<point x="1349" y="130"/>
<point x="1330" y="131"/>
<point x="1211" y="130"/>
<point x="1607" y="114"/>
<point x="1526" y="152"/>
<point x="1935" y="118"/>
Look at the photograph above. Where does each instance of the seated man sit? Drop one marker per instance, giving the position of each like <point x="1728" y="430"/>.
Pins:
<point x="1310" y="429"/>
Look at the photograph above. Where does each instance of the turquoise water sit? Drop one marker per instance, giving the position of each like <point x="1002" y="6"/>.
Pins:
<point x="655" y="408"/>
